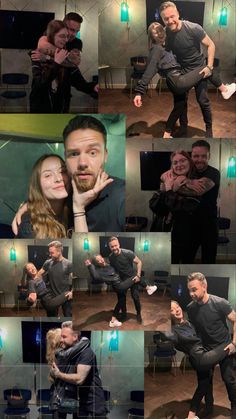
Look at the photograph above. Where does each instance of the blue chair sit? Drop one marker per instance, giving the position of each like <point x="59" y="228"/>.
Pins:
<point x="15" y="79"/>
<point x="138" y="397"/>
<point x="162" y="281"/>
<point x="10" y="411"/>
<point x="165" y="350"/>
<point x="43" y="398"/>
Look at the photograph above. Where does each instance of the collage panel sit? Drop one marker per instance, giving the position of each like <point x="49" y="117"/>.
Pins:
<point x="49" y="56"/>
<point x="140" y="56"/>
<point x="29" y="349"/>
<point x="36" y="278"/>
<point x="33" y="170"/>
<point x="182" y="375"/>
<point x="122" y="281"/>
<point x="186" y="187"/>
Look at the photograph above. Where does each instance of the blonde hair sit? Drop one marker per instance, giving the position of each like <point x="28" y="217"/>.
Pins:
<point x="156" y="34"/>
<point x="197" y="276"/>
<point x="43" y="218"/>
<point x="53" y="339"/>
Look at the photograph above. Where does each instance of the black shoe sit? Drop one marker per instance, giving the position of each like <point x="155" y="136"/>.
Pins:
<point x="139" y="318"/>
<point x="233" y="410"/>
<point x="122" y="317"/>
<point x="181" y="132"/>
<point x="209" y="133"/>
<point x="206" y="412"/>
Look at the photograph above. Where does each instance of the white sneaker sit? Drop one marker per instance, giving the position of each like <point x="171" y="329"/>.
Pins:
<point x="151" y="289"/>
<point x="115" y="323"/>
<point x="231" y="88"/>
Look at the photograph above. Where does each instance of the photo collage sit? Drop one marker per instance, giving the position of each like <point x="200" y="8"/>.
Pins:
<point x="117" y="209"/>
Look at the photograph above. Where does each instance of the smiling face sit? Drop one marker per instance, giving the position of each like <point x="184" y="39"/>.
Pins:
<point x="68" y="338"/>
<point x="100" y="260"/>
<point x="115" y="246"/>
<point x="176" y="312"/>
<point x="55" y="252"/>
<point x="197" y="290"/>
<point x="200" y="157"/>
<point x="180" y="165"/>
<point x="61" y="38"/>
<point x="85" y="156"/>
<point x="170" y="17"/>
<point x="31" y="269"/>
<point x="54" y="180"/>
<point x="73" y="28"/>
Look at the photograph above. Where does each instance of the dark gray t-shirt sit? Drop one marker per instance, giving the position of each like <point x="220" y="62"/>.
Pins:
<point x="123" y="263"/>
<point x="186" y="45"/>
<point x="209" y="320"/>
<point x="58" y="275"/>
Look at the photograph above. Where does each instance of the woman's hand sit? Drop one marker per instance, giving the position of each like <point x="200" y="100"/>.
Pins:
<point x="138" y="101"/>
<point x="17" y="219"/>
<point x="82" y="199"/>
<point x="87" y="262"/>
<point x="60" y="55"/>
<point x="178" y="182"/>
<point x="168" y="179"/>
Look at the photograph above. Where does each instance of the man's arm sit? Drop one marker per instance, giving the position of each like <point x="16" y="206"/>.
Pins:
<point x="77" y="378"/>
<point x="195" y="187"/>
<point x="139" y="264"/>
<point x="207" y="42"/>
<point x="232" y="346"/>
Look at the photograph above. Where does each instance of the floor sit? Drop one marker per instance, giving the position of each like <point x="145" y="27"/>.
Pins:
<point x="168" y="396"/>
<point x="93" y="312"/>
<point x="150" y="118"/>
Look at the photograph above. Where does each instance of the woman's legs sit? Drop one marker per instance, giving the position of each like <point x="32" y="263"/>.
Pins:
<point x="179" y="111"/>
<point x="204" y="388"/>
<point x="202" y="359"/>
<point x="52" y="302"/>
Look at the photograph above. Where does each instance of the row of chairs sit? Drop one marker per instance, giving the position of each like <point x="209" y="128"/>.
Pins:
<point x="43" y="399"/>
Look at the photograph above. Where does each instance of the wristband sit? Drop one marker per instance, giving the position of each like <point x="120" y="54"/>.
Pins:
<point x="79" y="214"/>
<point x="210" y="67"/>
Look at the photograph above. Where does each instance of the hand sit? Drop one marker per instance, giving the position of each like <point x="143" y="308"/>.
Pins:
<point x="96" y="88"/>
<point x="231" y="348"/>
<point x="82" y="199"/>
<point x="195" y="185"/>
<point x="168" y="179"/>
<point x="60" y="55"/>
<point x="17" y="219"/>
<point x="54" y="371"/>
<point x="136" y="279"/>
<point x="206" y="72"/>
<point x="37" y="55"/>
<point x="178" y="182"/>
<point x="87" y="262"/>
<point x="138" y="101"/>
<point x="69" y="295"/>
<point x="74" y="58"/>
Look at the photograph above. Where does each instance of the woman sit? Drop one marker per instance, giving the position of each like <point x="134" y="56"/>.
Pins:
<point x="52" y="80"/>
<point x="175" y="203"/>
<point x="101" y="272"/>
<point x="47" y="205"/>
<point x="186" y="340"/>
<point x="165" y="63"/>
<point x="60" y="390"/>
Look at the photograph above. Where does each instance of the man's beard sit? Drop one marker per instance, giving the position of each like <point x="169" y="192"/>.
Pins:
<point x="84" y="185"/>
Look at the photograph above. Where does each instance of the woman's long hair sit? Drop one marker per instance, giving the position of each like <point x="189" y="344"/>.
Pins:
<point x="187" y="156"/>
<point x="42" y="216"/>
<point x="54" y="26"/>
<point x="156" y="34"/>
<point x="53" y="338"/>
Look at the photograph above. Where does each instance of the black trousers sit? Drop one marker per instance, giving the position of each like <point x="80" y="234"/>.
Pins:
<point x="121" y="290"/>
<point x="205" y="236"/>
<point x="180" y="83"/>
<point x="66" y="309"/>
<point x="203" y="360"/>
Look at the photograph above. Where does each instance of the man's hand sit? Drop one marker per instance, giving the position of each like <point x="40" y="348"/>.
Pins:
<point x="69" y="295"/>
<point x="82" y="199"/>
<point x="138" y="101"/>
<point x="60" y="55"/>
<point x="87" y="262"/>
<point x="96" y="88"/>
<point x="231" y="348"/>
<point x="37" y="55"/>
<point x="136" y="279"/>
<point x="17" y="219"/>
<point x="54" y="371"/>
<point x="206" y="72"/>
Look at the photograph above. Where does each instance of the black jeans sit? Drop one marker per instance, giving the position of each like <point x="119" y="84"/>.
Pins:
<point x="180" y="83"/>
<point x="228" y="376"/>
<point x="179" y="111"/>
<point x="205" y="236"/>
<point x="204" y="389"/>
<point x="204" y="102"/>
<point x="121" y="290"/>
<point x="203" y="360"/>
<point x="66" y="309"/>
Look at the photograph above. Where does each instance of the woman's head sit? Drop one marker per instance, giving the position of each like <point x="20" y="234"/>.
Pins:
<point x="53" y="342"/>
<point x="176" y="312"/>
<point x="49" y="185"/>
<point x="156" y="33"/>
<point x="181" y="163"/>
<point x="98" y="260"/>
<point x="57" y="33"/>
<point x="30" y="269"/>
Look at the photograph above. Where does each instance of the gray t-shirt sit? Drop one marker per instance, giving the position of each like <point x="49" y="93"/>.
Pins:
<point x="123" y="263"/>
<point x="58" y="275"/>
<point x="209" y="320"/>
<point x="186" y="45"/>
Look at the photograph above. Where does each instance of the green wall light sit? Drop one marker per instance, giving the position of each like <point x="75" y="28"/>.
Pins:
<point x="86" y="244"/>
<point x="12" y="254"/>
<point x="231" y="169"/>
<point x="146" y="246"/>
<point x="223" y="16"/>
<point x="124" y="12"/>
<point x="114" y="341"/>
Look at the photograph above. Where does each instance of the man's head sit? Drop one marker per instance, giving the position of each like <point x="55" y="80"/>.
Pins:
<point x="69" y="335"/>
<point x="114" y="245"/>
<point x="55" y="249"/>
<point x="85" y="150"/>
<point x="197" y="286"/>
<point x="200" y="155"/>
<point x="170" y="16"/>
<point x="73" y="23"/>
<point x="30" y="269"/>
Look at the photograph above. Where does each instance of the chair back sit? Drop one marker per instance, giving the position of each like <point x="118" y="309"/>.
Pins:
<point x="15" y="78"/>
<point x="139" y="64"/>
<point x="161" y="273"/>
<point x="224" y="223"/>
<point x="137" y="396"/>
<point x="43" y="396"/>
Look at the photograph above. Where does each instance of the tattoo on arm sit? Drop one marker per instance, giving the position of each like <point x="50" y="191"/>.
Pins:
<point x="197" y="187"/>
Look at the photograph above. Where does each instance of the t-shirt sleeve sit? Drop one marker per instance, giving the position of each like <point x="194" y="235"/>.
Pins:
<point x="46" y="265"/>
<point x="225" y="307"/>
<point x="197" y="30"/>
<point x="69" y="267"/>
<point x="86" y="358"/>
<point x="131" y="255"/>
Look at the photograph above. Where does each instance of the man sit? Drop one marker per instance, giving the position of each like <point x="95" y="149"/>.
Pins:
<point x="205" y="225"/>
<point x="73" y="22"/>
<point x="98" y="202"/>
<point x="80" y="378"/>
<point x="123" y="261"/>
<point x="59" y="276"/>
<point x="209" y="315"/>
<point x="185" y="39"/>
